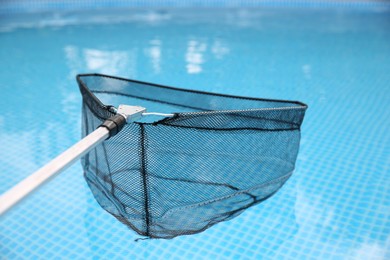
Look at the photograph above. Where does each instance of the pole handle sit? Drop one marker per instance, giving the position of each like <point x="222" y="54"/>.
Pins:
<point x="11" y="197"/>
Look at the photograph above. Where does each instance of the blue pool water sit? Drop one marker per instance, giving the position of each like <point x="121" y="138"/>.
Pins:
<point x="337" y="60"/>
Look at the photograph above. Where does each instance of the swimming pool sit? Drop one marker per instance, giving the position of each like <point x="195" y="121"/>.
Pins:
<point x="335" y="59"/>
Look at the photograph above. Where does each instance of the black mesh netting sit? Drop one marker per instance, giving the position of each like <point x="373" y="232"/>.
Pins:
<point x="174" y="176"/>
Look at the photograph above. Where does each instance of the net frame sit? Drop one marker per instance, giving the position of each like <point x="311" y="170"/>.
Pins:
<point x="153" y="214"/>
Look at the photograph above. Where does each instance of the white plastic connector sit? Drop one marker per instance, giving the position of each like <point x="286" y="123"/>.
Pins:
<point x="131" y="113"/>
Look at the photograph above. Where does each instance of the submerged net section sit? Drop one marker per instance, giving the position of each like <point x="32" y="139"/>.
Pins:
<point x="175" y="176"/>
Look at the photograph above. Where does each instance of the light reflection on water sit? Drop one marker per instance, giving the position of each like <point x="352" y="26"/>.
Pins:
<point x="121" y="62"/>
<point x="155" y="54"/>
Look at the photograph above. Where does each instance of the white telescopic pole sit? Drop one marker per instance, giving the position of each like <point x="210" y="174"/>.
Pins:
<point x="57" y="165"/>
